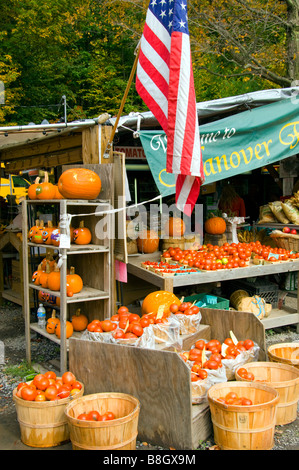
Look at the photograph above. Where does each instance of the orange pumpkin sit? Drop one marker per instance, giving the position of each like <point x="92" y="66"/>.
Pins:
<point x="54" y="279"/>
<point x="69" y="329"/>
<point x="36" y="275"/>
<point x="50" y="260"/>
<point x="155" y="299"/>
<point x="82" y="235"/>
<point x="55" y="237"/>
<point x="57" y="194"/>
<point x="43" y="296"/>
<point x="148" y="241"/>
<point x="37" y="235"/>
<point x="33" y="230"/>
<point x="52" y="323"/>
<point x="79" y="183"/>
<point x="44" y="276"/>
<point x="175" y="227"/>
<point x="46" y="234"/>
<point x="45" y="190"/>
<point x="32" y="189"/>
<point x="215" y="225"/>
<point x="79" y="321"/>
<point x="74" y="283"/>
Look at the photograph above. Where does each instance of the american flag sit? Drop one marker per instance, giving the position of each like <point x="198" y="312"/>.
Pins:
<point x="164" y="81"/>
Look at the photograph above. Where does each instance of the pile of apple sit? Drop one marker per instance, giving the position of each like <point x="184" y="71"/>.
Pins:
<point x="218" y="351"/>
<point x="231" y="398"/>
<point x="48" y="387"/>
<point x="230" y="255"/>
<point x="287" y="229"/>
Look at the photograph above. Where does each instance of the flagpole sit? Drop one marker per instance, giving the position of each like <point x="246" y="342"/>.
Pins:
<point x="110" y="142"/>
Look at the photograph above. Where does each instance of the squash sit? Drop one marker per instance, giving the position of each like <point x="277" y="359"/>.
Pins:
<point x="43" y="278"/>
<point x="52" y="323"/>
<point x="82" y="235"/>
<point x="74" y="283"/>
<point x="215" y="225"/>
<point x="33" y="230"/>
<point x="35" y="279"/>
<point x="79" y="183"/>
<point x="154" y="300"/>
<point x="57" y="194"/>
<point x="69" y="329"/>
<point x="175" y="227"/>
<point x="45" y="190"/>
<point x="46" y="234"/>
<point x="79" y="321"/>
<point x="54" y="279"/>
<point x="43" y="296"/>
<point x="37" y="235"/>
<point x="32" y="189"/>
<point x="148" y="241"/>
<point x="55" y="236"/>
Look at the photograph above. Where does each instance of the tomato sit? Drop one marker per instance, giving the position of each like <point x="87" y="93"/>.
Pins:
<point x="200" y="344"/>
<point x="221" y="399"/>
<point x="215" y="357"/>
<point x="211" y="365"/>
<point x="248" y="343"/>
<point x="213" y="344"/>
<point x="249" y="376"/>
<point x="242" y="372"/>
<point x="194" y="354"/>
<point x="40" y="396"/>
<point x="77" y="385"/>
<point x="109" y="415"/>
<point x="83" y="416"/>
<point x="202" y="374"/>
<point x="122" y="310"/>
<point x="28" y="393"/>
<point x="63" y="392"/>
<point x="173" y="308"/>
<point x="130" y="335"/>
<point x="115" y="318"/>
<point x="93" y="415"/>
<point x="118" y="333"/>
<point x="68" y="378"/>
<point x="50" y="375"/>
<point x="231" y="395"/>
<point x="136" y="329"/>
<point x="196" y="368"/>
<point x="246" y="401"/>
<point x="41" y="382"/>
<point x="134" y="317"/>
<point x="51" y="393"/>
<point x="228" y="342"/>
<point x="194" y="377"/>
<point x="21" y="384"/>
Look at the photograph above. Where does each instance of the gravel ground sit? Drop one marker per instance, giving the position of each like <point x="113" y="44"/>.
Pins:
<point x="12" y="353"/>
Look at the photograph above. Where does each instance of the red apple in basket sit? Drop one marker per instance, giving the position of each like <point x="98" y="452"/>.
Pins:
<point x="293" y="231"/>
<point x="286" y="229"/>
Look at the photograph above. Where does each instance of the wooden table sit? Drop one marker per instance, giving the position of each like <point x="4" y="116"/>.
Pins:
<point x="277" y="317"/>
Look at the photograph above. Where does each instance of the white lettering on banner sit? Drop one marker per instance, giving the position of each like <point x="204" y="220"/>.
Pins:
<point x="132" y="153"/>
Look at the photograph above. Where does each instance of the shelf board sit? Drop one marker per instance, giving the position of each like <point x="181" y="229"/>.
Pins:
<point x="75" y="249"/>
<point x="52" y="337"/>
<point x="86" y="294"/>
<point x="281" y="317"/>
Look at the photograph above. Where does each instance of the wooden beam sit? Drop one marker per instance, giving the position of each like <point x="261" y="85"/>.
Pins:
<point x="90" y="145"/>
<point x="49" y="145"/>
<point x="46" y="160"/>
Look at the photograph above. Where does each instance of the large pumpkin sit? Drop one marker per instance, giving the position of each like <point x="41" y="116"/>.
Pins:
<point x="155" y="299"/>
<point x="175" y="227"/>
<point x="148" y="241"/>
<point x="69" y="329"/>
<point x="79" y="321"/>
<point x="74" y="283"/>
<point x="215" y="226"/>
<point x="81" y="235"/>
<point x="79" y="183"/>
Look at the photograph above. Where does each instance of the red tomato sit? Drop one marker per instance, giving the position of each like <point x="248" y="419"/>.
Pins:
<point x="63" y="392"/>
<point x="200" y="344"/>
<point x="202" y="374"/>
<point x="213" y="344"/>
<point x="211" y="365"/>
<point x="248" y="343"/>
<point x="136" y="329"/>
<point x="122" y="310"/>
<point x="50" y="375"/>
<point x="77" y="385"/>
<point x="246" y="401"/>
<point x="93" y="415"/>
<point x="68" y="378"/>
<point x="118" y="333"/>
<point x="28" y="393"/>
<point x="51" y="393"/>
<point x="173" y="308"/>
<point x="134" y="317"/>
<point x="83" y="416"/>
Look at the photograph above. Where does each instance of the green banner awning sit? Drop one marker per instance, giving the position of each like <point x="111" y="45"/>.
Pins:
<point x="234" y="145"/>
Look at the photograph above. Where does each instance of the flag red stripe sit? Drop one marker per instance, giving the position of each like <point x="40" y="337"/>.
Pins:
<point x="151" y="104"/>
<point x="156" y="43"/>
<point x="155" y="75"/>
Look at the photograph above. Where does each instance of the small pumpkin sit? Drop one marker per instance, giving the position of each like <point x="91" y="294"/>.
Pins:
<point x="148" y="241"/>
<point x="57" y="194"/>
<point x="82" y="235"/>
<point x="48" y="259"/>
<point x="36" y="275"/>
<point x="215" y="225"/>
<point x="43" y="296"/>
<point x="52" y="323"/>
<point x="79" y="321"/>
<point x="69" y="329"/>
<point x="44" y="276"/>
<point x="45" y="190"/>
<point x="74" y="283"/>
<point x="79" y="183"/>
<point x="33" y="230"/>
<point x="55" y="236"/>
<point x="46" y="234"/>
<point x="175" y="227"/>
<point x="32" y="189"/>
<point x="37" y="235"/>
<point x="154" y="300"/>
<point x="54" y="279"/>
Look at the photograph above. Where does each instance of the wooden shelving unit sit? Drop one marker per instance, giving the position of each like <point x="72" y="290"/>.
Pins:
<point x="93" y="262"/>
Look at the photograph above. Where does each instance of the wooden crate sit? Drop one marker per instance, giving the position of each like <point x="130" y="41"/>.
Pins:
<point x="160" y="379"/>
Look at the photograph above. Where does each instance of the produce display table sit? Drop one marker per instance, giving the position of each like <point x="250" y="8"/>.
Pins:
<point x="277" y="317"/>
